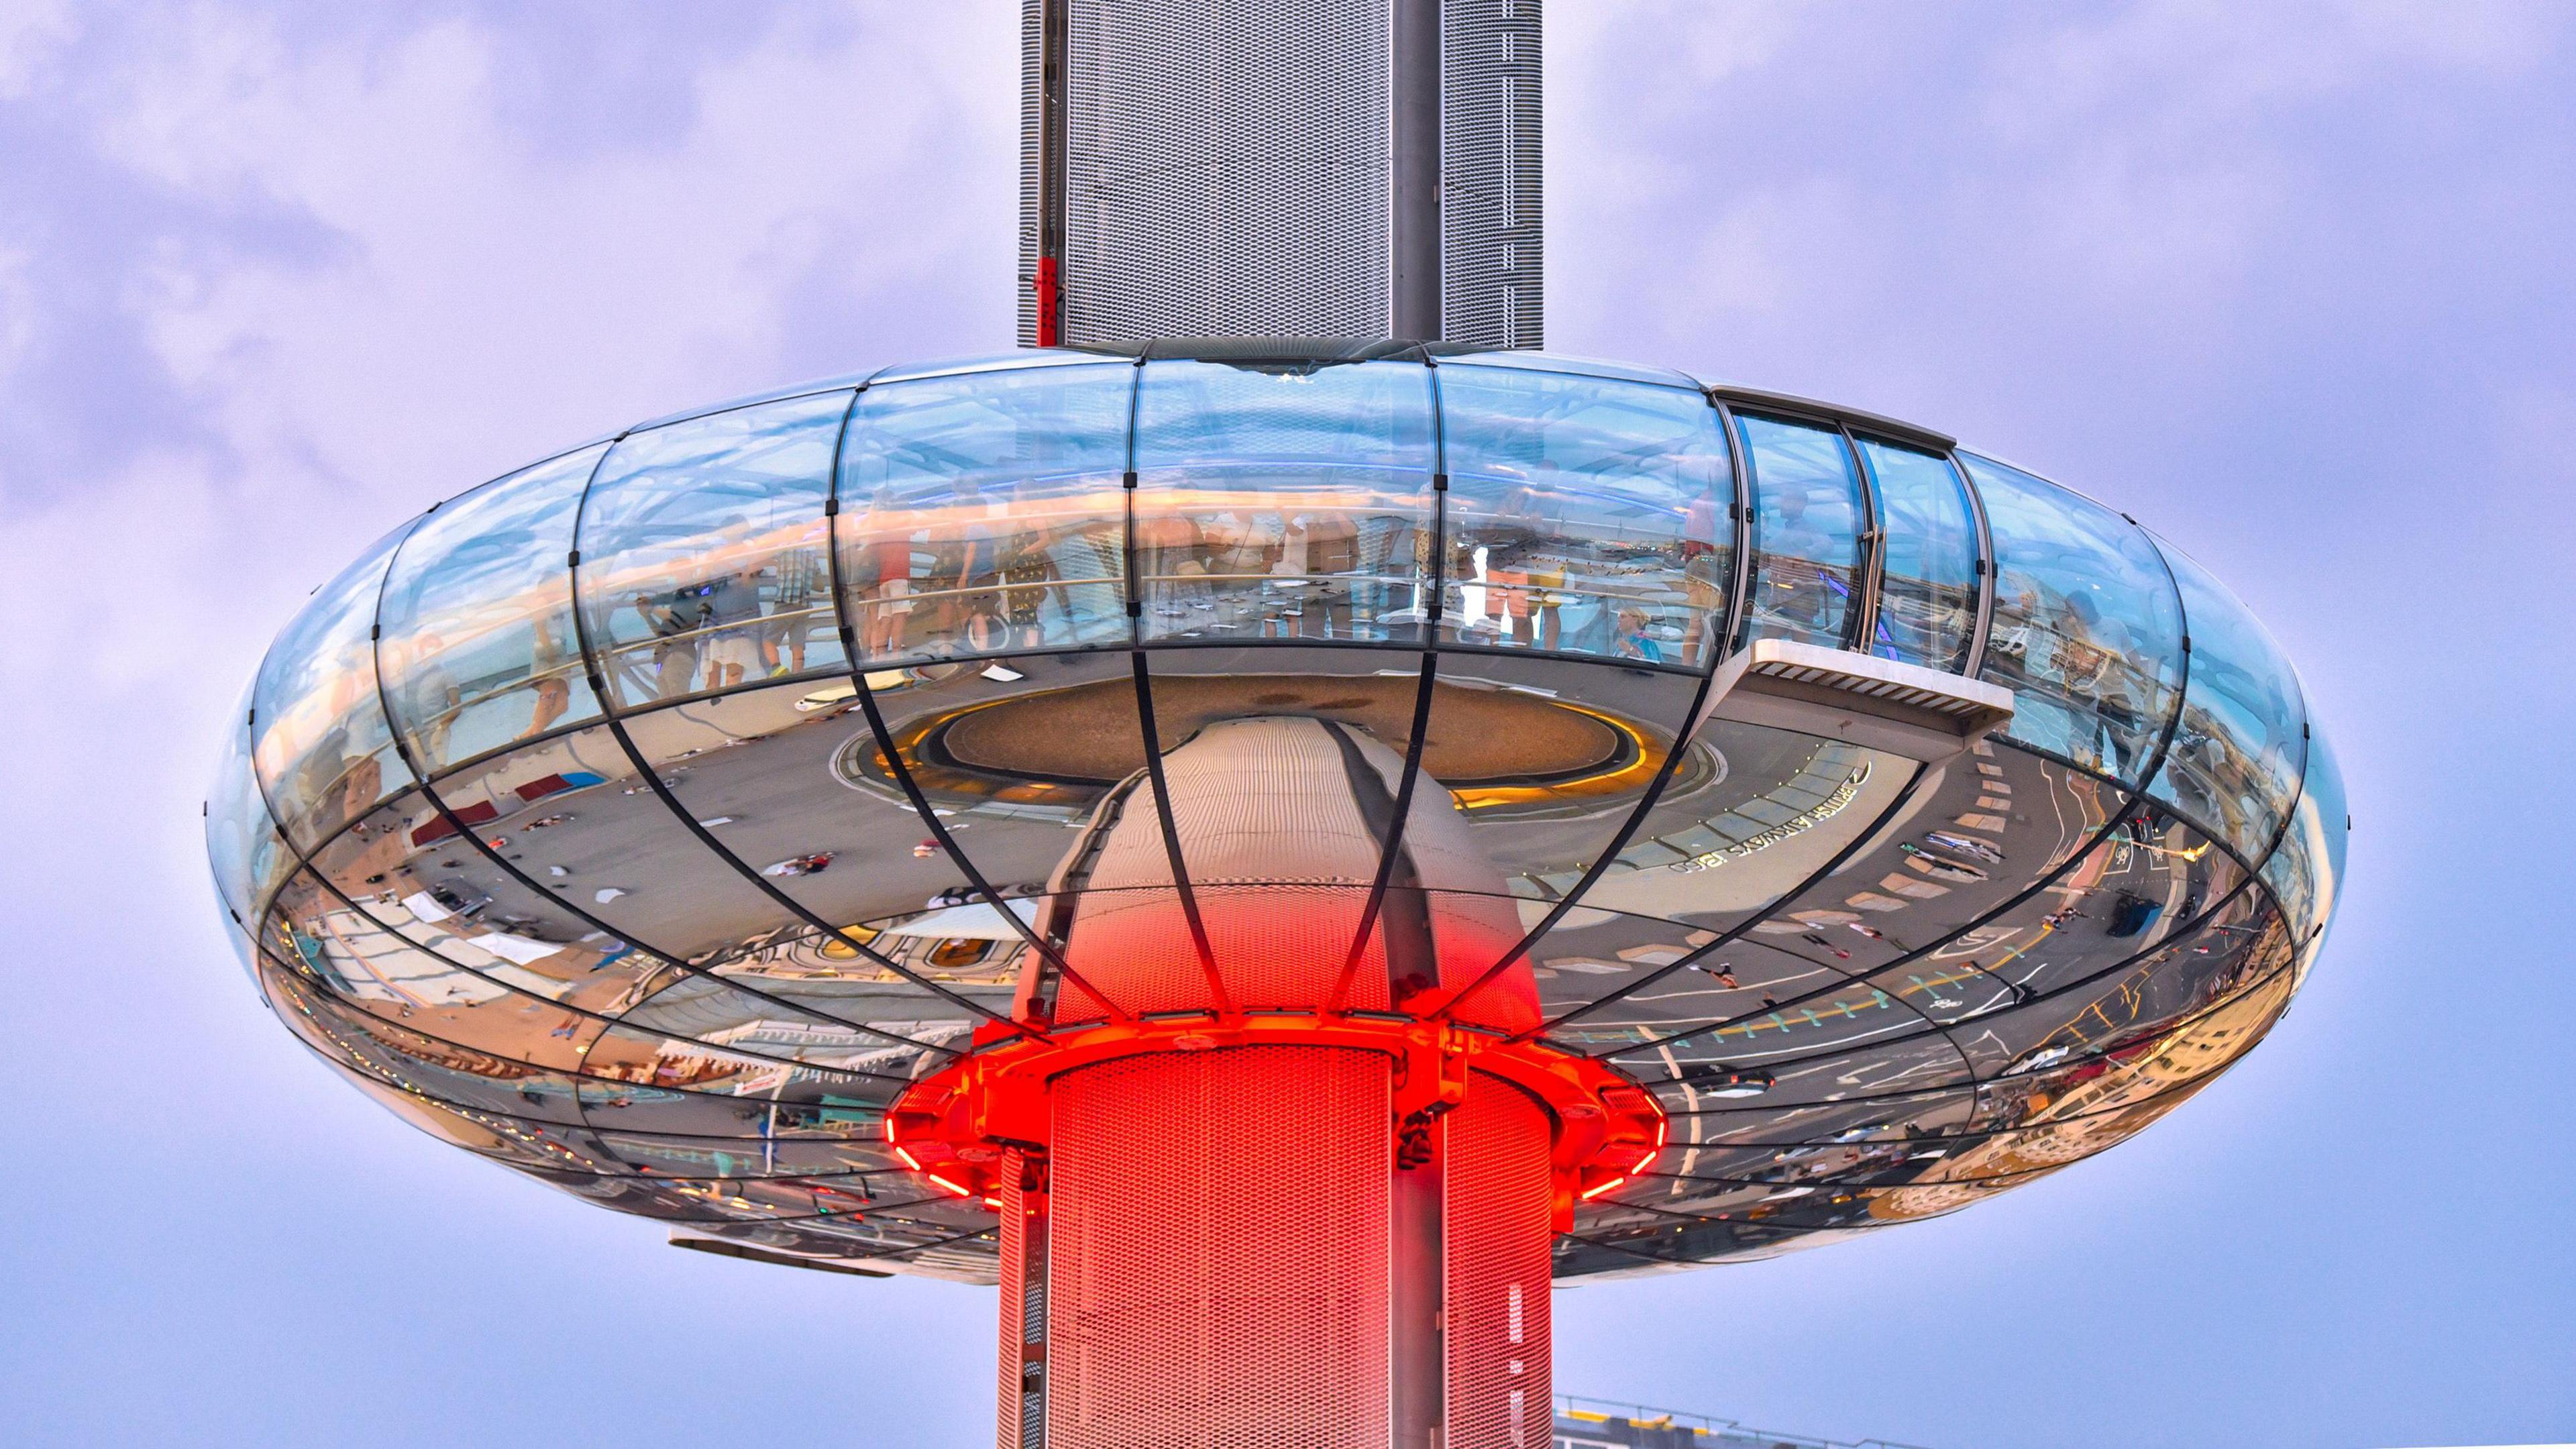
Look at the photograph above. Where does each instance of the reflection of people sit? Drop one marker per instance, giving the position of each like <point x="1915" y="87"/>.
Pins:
<point x="1026" y="567"/>
<point x="802" y="581"/>
<point x="732" y="610"/>
<point x="1703" y="568"/>
<point x="1633" y="641"/>
<point x="979" y="565"/>
<point x="1795" y="565"/>
<point x="1169" y="544"/>
<point x="2094" y="651"/>
<point x="1522" y="570"/>
<point x="673" y="619"/>
<point x="1083" y="560"/>
<point x="435" y="697"/>
<point x="546" y="665"/>
<point x="881" y="571"/>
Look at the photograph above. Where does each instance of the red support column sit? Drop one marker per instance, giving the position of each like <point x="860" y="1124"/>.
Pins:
<point x="1019" y="1418"/>
<point x="1497" y="1232"/>
<point x="1218" y="1246"/>
<point x="1231" y="1252"/>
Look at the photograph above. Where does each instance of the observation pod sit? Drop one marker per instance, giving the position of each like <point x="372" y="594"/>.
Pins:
<point x="1276" y="851"/>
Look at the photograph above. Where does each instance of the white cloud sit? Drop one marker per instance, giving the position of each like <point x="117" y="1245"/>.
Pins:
<point x="488" y="298"/>
<point x="31" y="32"/>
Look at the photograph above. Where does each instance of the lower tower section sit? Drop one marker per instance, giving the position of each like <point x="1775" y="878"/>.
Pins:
<point x="1495" y="1214"/>
<point x="1218" y="1275"/>
<point x="1242" y="1248"/>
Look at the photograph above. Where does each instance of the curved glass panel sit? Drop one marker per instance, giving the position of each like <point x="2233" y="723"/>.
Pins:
<point x="321" y="746"/>
<point x="1283" y="503"/>
<point x="242" y="848"/>
<point x="1520" y="360"/>
<point x="1806" y="532"/>
<point x="478" y="646"/>
<point x="1018" y="359"/>
<point x="1585" y="515"/>
<point x="1927" y="592"/>
<point x="985" y="512"/>
<point x="2322" y="790"/>
<point x="2306" y="872"/>
<point x="2236" y="757"/>
<point x="703" y="558"/>
<point x="2086" y="630"/>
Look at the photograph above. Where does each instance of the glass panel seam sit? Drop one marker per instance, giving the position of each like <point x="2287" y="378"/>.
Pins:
<point x="1739" y="469"/>
<point x="1984" y="621"/>
<point x="902" y="773"/>
<point x="613" y="715"/>
<point x="2118" y="818"/>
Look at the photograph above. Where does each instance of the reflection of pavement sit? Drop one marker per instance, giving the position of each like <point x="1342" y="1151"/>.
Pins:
<point x="1090" y="732"/>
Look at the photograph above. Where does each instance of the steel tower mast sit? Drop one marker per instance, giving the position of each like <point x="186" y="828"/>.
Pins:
<point x="1280" y="168"/>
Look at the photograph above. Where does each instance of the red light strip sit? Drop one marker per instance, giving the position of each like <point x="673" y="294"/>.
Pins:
<point x="1652" y="1152"/>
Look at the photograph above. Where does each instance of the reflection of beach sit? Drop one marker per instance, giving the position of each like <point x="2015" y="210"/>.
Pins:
<point x="2107" y="1101"/>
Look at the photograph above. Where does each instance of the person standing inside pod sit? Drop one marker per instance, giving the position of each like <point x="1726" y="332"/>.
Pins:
<point x="881" y="573"/>
<point x="732" y="607"/>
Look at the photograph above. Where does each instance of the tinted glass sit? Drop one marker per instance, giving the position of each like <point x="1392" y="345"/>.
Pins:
<point x="478" y="646"/>
<point x="703" y="561"/>
<point x="2235" y="759"/>
<point x="2306" y="872"/>
<point x="1283" y="504"/>
<point x="321" y="746"/>
<point x="986" y="512"/>
<point x="1585" y="515"/>
<point x="239" y="837"/>
<point x="1806" y="532"/>
<point x="1927" y="593"/>
<point x="2086" y="629"/>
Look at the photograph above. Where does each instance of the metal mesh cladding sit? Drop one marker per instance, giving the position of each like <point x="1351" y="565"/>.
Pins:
<point x="1032" y="78"/>
<point x="1494" y="1230"/>
<point x="1219" y="1251"/>
<point x="1227" y="169"/>
<point x="1020" y="1417"/>
<point x="1491" y="272"/>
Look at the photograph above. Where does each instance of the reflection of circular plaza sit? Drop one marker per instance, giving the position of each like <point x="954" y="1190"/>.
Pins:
<point x="1488" y="736"/>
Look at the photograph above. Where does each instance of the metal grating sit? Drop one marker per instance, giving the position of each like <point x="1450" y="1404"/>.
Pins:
<point x="1219" y="1252"/>
<point x="1032" y="76"/>
<point x="1495" y="1235"/>
<point x="1492" y="275"/>
<point x="1228" y="169"/>
<point x="1019" y="1418"/>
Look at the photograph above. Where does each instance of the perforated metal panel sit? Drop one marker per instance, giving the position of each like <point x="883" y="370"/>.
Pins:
<point x="1227" y="169"/>
<point x="1020" y="1415"/>
<point x="1032" y="76"/>
<point x="1494" y="1227"/>
<point x="1219" y="1252"/>
<point x="1491" y="265"/>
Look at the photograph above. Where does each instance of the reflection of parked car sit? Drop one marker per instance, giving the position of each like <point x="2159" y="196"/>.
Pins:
<point x="2133" y="914"/>
<point x="1965" y="845"/>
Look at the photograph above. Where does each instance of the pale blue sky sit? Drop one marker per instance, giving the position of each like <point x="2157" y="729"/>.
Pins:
<point x="2293" y="283"/>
